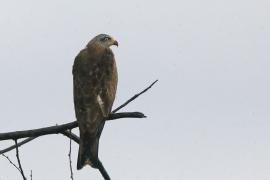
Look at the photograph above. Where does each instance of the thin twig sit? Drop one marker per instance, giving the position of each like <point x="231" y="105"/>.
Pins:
<point x="31" y="175"/>
<point x="19" y="161"/>
<point x="69" y="156"/>
<point x="19" y="144"/>
<point x="134" y="97"/>
<point x="11" y="162"/>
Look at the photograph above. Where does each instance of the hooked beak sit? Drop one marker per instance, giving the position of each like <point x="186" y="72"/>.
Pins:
<point x="115" y="43"/>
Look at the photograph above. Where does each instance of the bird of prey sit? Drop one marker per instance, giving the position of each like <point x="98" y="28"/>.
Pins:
<point x="95" y="82"/>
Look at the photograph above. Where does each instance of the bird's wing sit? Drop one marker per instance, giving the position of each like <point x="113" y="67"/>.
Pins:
<point x="86" y="90"/>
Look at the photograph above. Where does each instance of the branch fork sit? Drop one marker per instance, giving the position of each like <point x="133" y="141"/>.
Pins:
<point x="65" y="129"/>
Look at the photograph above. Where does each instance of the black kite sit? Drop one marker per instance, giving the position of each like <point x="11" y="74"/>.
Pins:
<point x="95" y="83"/>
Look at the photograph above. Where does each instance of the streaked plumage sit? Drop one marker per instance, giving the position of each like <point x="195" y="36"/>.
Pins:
<point x="95" y="83"/>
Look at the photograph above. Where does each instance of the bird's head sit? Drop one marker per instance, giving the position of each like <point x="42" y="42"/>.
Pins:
<point x="103" y="40"/>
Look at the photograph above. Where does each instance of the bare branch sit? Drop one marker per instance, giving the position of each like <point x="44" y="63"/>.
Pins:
<point x="134" y="97"/>
<point x="19" y="144"/>
<point x="31" y="175"/>
<point x="60" y="128"/>
<point x="125" y="115"/>
<point x="63" y="129"/>
<point x="19" y="161"/>
<point x="103" y="171"/>
<point x="75" y="138"/>
<point x="66" y="132"/>
<point x="32" y="134"/>
<point x="37" y="132"/>
<point x="71" y="135"/>
<point x="11" y="162"/>
<point x="69" y="156"/>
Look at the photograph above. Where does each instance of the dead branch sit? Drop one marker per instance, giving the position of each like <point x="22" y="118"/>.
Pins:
<point x="103" y="171"/>
<point x="134" y="97"/>
<point x="69" y="156"/>
<point x="71" y="135"/>
<point x="31" y="175"/>
<point x="11" y="162"/>
<point x="61" y="128"/>
<point x="19" y="144"/>
<point x="19" y="161"/>
<point x="75" y="138"/>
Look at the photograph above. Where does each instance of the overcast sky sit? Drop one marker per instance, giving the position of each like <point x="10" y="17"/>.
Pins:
<point x="208" y="116"/>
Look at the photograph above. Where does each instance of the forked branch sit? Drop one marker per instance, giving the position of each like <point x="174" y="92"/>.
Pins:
<point x="33" y="133"/>
<point x="65" y="129"/>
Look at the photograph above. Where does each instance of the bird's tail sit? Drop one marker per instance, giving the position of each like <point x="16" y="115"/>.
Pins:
<point x="88" y="152"/>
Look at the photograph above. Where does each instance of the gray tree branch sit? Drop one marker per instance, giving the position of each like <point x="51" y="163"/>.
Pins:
<point x="65" y="129"/>
<point x="69" y="157"/>
<point x="60" y="128"/>
<point x="11" y="162"/>
<point x="19" y="161"/>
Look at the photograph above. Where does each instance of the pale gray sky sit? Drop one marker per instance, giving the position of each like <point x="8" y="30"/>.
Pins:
<point x="208" y="117"/>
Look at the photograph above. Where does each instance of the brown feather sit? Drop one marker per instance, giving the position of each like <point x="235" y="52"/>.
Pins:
<point x="95" y="83"/>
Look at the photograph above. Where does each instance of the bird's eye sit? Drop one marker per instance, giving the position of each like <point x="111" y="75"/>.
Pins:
<point x="106" y="38"/>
